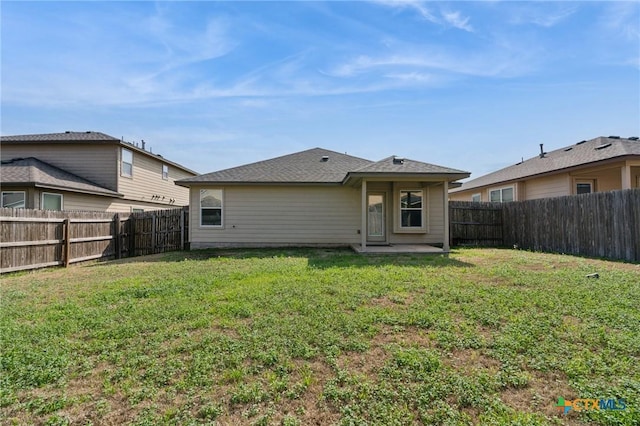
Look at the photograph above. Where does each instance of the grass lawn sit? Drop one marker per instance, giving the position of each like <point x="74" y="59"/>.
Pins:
<point x="297" y="337"/>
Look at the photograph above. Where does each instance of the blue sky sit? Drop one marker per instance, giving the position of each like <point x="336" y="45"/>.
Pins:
<point x="471" y="85"/>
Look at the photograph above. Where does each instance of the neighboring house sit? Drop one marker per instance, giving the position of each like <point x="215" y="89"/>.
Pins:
<point x="87" y="171"/>
<point x="324" y="198"/>
<point x="600" y="164"/>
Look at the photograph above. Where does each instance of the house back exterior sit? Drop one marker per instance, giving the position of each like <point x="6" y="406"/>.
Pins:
<point x="87" y="171"/>
<point x="596" y="165"/>
<point x="320" y="197"/>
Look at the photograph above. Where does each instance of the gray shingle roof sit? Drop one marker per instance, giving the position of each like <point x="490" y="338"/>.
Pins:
<point x="302" y="167"/>
<point x="395" y="164"/>
<point x="310" y="166"/>
<point x="31" y="171"/>
<point x="88" y="136"/>
<point x="585" y="152"/>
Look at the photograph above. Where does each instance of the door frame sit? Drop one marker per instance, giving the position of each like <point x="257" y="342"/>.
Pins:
<point x="381" y="240"/>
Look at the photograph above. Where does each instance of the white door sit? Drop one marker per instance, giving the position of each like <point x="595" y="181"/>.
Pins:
<point x="376" y="217"/>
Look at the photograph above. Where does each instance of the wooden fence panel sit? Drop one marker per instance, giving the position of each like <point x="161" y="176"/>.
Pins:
<point x="602" y="224"/>
<point x="475" y="224"/>
<point x="32" y="239"/>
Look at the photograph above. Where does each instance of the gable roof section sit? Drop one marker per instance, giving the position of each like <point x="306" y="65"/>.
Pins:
<point x="33" y="172"/>
<point x="319" y="166"/>
<point x="585" y="152"/>
<point x="302" y="167"/>
<point x="83" y="138"/>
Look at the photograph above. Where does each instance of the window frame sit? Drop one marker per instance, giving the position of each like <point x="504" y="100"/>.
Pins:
<point x="165" y="176"/>
<point x="590" y="182"/>
<point x="423" y="228"/>
<point x="24" y="199"/>
<point x="478" y="195"/>
<point x="124" y="150"/>
<point x="54" y="194"/>
<point x="221" y="208"/>
<point x="501" y="190"/>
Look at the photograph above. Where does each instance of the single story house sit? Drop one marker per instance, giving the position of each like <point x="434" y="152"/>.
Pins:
<point x="600" y="164"/>
<point x="87" y="171"/>
<point x="320" y="197"/>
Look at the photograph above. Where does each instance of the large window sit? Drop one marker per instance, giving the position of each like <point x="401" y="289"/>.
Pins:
<point x="411" y="203"/>
<point x="126" y="168"/>
<point x="165" y="172"/>
<point x="476" y="198"/>
<point x="14" y="199"/>
<point x="501" y="195"/>
<point x="211" y="207"/>
<point x="51" y="201"/>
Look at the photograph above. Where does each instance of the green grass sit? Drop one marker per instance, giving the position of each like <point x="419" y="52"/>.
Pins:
<point x="295" y="337"/>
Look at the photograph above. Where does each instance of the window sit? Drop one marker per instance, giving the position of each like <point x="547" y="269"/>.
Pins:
<point x="126" y="168"/>
<point x="585" y="186"/>
<point x="135" y="210"/>
<point x="476" y="198"/>
<point x="501" y="195"/>
<point x="211" y="207"/>
<point x="51" y="201"/>
<point x="165" y="172"/>
<point x="14" y="199"/>
<point x="411" y="208"/>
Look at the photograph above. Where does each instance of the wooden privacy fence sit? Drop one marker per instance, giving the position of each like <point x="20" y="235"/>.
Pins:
<point x="602" y="224"/>
<point x="32" y="239"/>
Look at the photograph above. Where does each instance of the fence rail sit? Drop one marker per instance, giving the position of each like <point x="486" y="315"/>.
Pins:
<point x="602" y="224"/>
<point x="36" y="238"/>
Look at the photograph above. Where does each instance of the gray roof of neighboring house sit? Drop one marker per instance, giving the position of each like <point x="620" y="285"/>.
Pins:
<point x="315" y="165"/>
<point x="584" y="152"/>
<point x="84" y="137"/>
<point x="33" y="172"/>
<point x="88" y="136"/>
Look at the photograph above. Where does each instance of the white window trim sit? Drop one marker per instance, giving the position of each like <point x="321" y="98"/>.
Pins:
<point x="52" y="193"/>
<point x="122" y="173"/>
<point x="479" y="195"/>
<point x="24" y="198"/>
<point x="502" y="188"/>
<point x="397" y="223"/>
<point x="163" y="168"/>
<point x="221" y="226"/>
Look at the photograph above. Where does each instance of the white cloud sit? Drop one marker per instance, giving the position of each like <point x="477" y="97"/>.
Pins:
<point x="540" y="14"/>
<point x="444" y="18"/>
<point x="457" y="21"/>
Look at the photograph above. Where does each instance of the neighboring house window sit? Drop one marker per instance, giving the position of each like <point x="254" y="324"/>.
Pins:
<point x="14" y="199"/>
<point x="501" y="195"/>
<point x="585" y="187"/>
<point x="411" y="203"/>
<point x="211" y="207"/>
<point x="165" y="172"/>
<point x="476" y="198"/>
<point x="126" y="168"/>
<point x="51" y="201"/>
<point x="134" y="210"/>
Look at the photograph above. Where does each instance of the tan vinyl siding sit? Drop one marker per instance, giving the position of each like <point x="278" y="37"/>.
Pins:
<point x="435" y="218"/>
<point x="549" y="186"/>
<point x="147" y="182"/>
<point x="94" y="162"/>
<point x="281" y="215"/>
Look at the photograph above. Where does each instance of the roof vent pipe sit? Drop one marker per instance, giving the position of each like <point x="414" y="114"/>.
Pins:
<point x="143" y="144"/>
<point x="542" y="150"/>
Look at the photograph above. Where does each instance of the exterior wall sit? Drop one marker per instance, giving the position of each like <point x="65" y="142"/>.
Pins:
<point x="548" y="186"/>
<point x="605" y="179"/>
<point x="307" y="215"/>
<point x="94" y="162"/>
<point x="146" y="182"/>
<point x="280" y="215"/>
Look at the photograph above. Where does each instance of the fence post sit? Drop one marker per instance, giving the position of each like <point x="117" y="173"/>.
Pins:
<point x="132" y="235"/>
<point x="182" y="229"/>
<point x="67" y="242"/>
<point x="117" y="237"/>
<point x="153" y="233"/>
